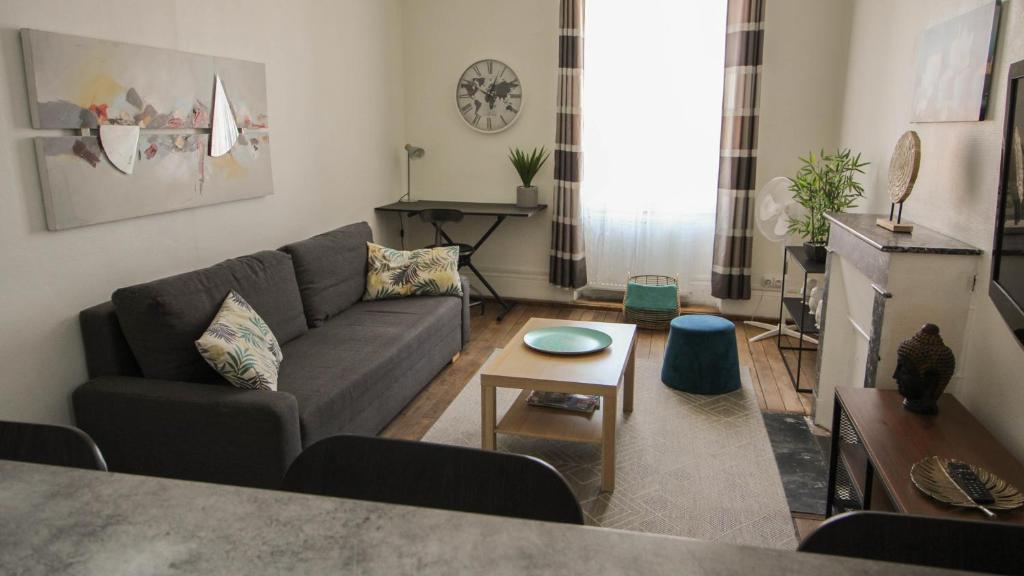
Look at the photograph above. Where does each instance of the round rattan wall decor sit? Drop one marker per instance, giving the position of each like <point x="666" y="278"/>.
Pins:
<point x="906" y="161"/>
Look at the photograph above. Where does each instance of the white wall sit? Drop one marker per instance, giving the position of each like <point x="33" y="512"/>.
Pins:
<point x="336" y="110"/>
<point x="957" y="186"/>
<point x="442" y="38"/>
<point x="804" y="73"/>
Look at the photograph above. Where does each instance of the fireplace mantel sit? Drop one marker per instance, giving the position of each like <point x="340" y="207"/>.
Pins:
<point x="880" y="288"/>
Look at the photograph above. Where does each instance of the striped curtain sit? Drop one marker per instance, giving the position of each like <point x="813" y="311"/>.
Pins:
<point x="737" y="169"/>
<point x="568" y="265"/>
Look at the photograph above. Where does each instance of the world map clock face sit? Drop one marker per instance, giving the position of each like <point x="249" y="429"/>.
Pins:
<point x="489" y="96"/>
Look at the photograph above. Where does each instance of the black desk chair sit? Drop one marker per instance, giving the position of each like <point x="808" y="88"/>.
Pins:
<point x="48" y="444"/>
<point x="434" y="476"/>
<point x="438" y="217"/>
<point x="977" y="546"/>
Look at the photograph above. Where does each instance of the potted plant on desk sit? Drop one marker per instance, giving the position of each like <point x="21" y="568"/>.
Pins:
<point x="825" y="183"/>
<point x="527" y="165"/>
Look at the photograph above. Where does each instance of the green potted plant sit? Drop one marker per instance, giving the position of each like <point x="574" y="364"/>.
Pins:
<point x="527" y="165"/>
<point x="825" y="183"/>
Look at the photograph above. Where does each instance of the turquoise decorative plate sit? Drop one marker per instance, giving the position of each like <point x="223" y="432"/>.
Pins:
<point x="567" y="340"/>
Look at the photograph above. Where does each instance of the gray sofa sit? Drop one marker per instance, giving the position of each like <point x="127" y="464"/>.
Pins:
<point x="154" y="407"/>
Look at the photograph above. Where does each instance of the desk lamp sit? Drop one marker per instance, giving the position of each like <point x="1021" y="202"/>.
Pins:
<point x="410" y="153"/>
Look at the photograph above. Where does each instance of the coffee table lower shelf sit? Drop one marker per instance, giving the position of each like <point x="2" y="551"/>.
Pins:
<point x="541" y="422"/>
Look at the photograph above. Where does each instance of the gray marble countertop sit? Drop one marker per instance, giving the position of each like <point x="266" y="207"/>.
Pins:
<point x="66" y="521"/>
<point x="922" y="240"/>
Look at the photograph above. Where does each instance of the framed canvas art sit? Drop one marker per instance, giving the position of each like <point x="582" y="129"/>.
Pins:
<point x="953" y="76"/>
<point x="138" y="125"/>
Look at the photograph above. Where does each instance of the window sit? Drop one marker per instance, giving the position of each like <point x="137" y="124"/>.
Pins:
<point x="652" y="106"/>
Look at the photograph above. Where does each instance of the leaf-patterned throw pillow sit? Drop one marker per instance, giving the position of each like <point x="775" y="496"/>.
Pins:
<point x="425" y="272"/>
<point x="240" y="346"/>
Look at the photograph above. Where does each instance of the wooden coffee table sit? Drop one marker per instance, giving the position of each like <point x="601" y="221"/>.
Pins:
<point x="601" y="373"/>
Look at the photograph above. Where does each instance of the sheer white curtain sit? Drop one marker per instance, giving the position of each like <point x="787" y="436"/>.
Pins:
<point x="652" y="101"/>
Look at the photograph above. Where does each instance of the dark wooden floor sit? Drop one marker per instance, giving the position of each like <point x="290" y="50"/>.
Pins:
<point x="775" y="392"/>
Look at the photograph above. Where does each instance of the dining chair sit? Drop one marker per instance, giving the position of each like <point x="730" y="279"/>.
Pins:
<point x="976" y="546"/>
<point x="49" y="444"/>
<point x="434" y="476"/>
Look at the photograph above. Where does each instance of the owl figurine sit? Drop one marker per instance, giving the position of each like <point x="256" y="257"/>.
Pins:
<point x="924" y="367"/>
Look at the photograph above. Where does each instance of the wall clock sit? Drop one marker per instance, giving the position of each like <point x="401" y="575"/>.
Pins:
<point x="489" y="96"/>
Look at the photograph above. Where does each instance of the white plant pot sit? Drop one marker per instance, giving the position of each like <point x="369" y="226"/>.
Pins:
<point x="526" y="196"/>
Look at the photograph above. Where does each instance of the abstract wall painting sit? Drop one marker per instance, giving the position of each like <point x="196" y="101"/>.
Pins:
<point x="77" y="82"/>
<point x="172" y="172"/>
<point x="953" y="76"/>
<point x="141" y="122"/>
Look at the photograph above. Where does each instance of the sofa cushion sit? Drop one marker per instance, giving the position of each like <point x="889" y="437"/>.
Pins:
<point x="162" y="319"/>
<point x="331" y="270"/>
<point x="338" y="371"/>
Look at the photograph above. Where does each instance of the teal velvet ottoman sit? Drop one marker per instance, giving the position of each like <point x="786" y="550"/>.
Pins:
<point x="700" y="357"/>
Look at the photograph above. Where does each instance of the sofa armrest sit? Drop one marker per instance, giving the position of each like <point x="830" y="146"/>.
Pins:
<point x="465" y="311"/>
<point x="190" y="431"/>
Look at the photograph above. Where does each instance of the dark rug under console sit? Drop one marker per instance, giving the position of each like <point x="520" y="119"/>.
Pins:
<point x="802" y="460"/>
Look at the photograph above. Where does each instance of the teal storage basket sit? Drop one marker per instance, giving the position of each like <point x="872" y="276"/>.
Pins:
<point x="651" y="301"/>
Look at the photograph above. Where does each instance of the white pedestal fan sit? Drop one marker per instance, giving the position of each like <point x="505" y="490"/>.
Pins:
<point x="773" y="207"/>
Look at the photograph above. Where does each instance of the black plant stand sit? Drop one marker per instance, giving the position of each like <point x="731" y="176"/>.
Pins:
<point x="798" y="310"/>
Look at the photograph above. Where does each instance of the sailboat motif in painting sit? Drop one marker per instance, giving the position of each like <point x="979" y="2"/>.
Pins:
<point x="224" y="131"/>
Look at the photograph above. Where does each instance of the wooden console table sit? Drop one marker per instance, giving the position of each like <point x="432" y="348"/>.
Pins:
<point x="875" y="442"/>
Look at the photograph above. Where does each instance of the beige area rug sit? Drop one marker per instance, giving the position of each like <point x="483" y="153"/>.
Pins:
<point x="687" y="465"/>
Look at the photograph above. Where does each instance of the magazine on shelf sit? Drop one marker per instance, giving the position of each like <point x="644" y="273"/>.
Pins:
<point x="564" y="401"/>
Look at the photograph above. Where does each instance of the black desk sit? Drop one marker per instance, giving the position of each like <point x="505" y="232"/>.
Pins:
<point x="500" y="212"/>
<point x="468" y="208"/>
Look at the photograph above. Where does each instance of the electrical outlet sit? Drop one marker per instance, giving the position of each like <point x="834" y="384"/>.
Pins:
<point x="771" y="282"/>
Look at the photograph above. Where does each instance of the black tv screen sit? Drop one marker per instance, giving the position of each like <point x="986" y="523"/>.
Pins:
<point x="1007" y="285"/>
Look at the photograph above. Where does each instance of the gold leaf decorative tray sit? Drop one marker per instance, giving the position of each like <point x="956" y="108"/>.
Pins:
<point x="931" y="477"/>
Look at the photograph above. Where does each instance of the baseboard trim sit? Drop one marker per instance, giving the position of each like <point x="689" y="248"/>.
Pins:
<point x="762" y="304"/>
<point x="520" y="284"/>
<point x="532" y="286"/>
